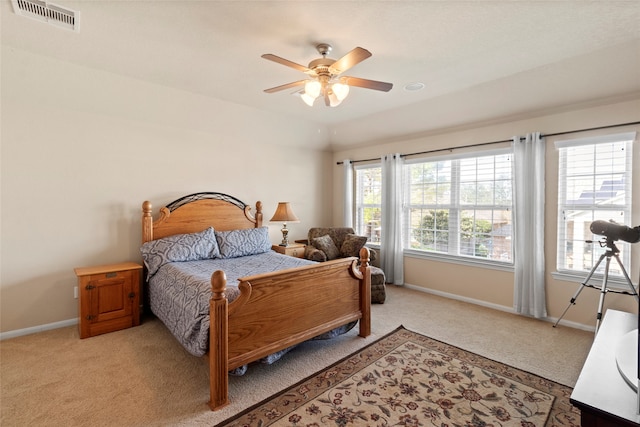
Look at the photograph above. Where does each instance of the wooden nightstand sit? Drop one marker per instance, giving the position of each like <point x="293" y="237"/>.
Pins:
<point x="294" y="249"/>
<point x="109" y="298"/>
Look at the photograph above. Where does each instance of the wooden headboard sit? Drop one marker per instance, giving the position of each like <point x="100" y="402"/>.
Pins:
<point x="196" y="212"/>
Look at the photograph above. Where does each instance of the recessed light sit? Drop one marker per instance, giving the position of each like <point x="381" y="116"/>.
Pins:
<point x="414" y="86"/>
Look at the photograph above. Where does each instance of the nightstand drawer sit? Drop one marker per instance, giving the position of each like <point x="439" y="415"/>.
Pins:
<point x="294" y="250"/>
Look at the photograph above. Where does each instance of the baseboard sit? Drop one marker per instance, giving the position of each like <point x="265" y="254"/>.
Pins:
<point x="36" y="329"/>
<point x="71" y="322"/>
<point x="574" y="325"/>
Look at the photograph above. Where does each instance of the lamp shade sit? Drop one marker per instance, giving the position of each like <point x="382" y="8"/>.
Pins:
<point x="284" y="213"/>
<point x="334" y="101"/>
<point x="312" y="88"/>
<point x="341" y="90"/>
<point x="309" y="100"/>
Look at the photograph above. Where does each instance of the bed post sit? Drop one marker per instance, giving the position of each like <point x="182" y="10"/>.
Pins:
<point x="365" y="293"/>
<point x="258" y="214"/>
<point x="218" y="342"/>
<point x="147" y="222"/>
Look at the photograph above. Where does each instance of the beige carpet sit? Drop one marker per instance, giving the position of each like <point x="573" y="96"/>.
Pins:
<point x="142" y="376"/>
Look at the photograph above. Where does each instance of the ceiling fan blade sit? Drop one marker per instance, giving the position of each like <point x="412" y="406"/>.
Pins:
<point x="352" y="58"/>
<point x="287" y="86"/>
<point x="367" y="84"/>
<point x="288" y="63"/>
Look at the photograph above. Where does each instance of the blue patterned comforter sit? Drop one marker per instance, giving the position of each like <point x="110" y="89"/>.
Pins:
<point x="180" y="292"/>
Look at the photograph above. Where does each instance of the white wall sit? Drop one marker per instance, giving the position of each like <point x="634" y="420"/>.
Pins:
<point x="495" y="288"/>
<point x="82" y="149"/>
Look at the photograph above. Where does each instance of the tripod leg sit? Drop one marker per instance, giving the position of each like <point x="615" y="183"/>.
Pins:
<point x="603" y="291"/>
<point x="626" y="276"/>
<point x="580" y="288"/>
<point x="571" y="302"/>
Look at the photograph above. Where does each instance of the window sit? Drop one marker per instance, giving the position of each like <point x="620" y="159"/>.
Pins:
<point x="461" y="206"/>
<point x="594" y="183"/>
<point x="368" y="200"/>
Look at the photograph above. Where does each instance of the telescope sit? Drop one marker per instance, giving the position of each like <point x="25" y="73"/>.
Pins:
<point x="615" y="231"/>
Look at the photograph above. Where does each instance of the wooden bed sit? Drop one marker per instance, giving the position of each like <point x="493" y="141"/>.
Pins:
<point x="318" y="297"/>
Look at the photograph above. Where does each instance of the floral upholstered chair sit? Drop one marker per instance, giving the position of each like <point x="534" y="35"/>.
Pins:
<point x="329" y="243"/>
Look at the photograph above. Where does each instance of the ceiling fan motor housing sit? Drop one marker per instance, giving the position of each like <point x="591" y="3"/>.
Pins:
<point x="321" y="66"/>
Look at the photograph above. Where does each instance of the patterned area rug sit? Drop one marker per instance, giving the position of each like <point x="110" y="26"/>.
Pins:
<point x="407" y="379"/>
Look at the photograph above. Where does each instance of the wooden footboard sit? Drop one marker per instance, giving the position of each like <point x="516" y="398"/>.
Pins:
<point x="278" y="310"/>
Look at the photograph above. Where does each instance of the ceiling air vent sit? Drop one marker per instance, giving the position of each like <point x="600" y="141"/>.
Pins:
<point x="48" y="12"/>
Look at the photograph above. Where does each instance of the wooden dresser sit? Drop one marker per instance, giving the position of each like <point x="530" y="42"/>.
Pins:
<point x="601" y="393"/>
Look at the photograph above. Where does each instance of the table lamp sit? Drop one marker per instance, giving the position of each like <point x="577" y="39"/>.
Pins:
<point x="284" y="214"/>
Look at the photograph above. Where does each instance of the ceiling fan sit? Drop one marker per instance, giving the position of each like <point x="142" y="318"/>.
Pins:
<point x="325" y="76"/>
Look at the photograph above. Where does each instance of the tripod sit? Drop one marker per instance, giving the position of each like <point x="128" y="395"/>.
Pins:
<point x="612" y="251"/>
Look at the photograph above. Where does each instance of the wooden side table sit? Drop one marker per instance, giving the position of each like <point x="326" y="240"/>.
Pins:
<point x="109" y="298"/>
<point x="294" y="249"/>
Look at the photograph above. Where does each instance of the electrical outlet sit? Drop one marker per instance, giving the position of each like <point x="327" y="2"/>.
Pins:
<point x="75" y="292"/>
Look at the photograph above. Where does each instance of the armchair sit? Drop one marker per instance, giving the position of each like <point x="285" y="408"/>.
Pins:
<point x="327" y="243"/>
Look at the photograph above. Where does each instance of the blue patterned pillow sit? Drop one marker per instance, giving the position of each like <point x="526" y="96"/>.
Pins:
<point x="179" y="247"/>
<point x="237" y="243"/>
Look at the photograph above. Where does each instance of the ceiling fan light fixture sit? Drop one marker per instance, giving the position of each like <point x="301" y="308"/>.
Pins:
<point x="312" y="88"/>
<point x="334" y="101"/>
<point x="340" y="90"/>
<point x="322" y="72"/>
<point x="308" y="99"/>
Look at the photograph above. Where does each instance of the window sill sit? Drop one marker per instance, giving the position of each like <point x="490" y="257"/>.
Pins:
<point x="614" y="283"/>
<point x="493" y="265"/>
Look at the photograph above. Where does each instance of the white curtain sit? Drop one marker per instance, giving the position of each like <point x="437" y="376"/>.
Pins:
<point x="391" y="257"/>
<point x="347" y="214"/>
<point x="528" y="225"/>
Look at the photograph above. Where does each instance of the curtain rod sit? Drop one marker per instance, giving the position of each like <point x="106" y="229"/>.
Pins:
<point x="497" y="142"/>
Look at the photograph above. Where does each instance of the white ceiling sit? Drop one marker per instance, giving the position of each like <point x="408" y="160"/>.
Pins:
<point x="479" y="60"/>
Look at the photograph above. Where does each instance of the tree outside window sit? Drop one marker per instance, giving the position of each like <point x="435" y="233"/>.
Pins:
<point x="462" y="206"/>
